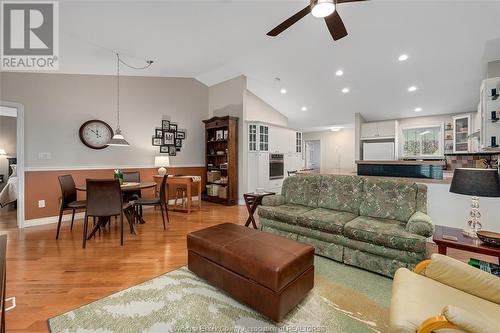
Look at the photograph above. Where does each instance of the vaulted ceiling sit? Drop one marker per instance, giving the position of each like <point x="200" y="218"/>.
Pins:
<point x="448" y="43"/>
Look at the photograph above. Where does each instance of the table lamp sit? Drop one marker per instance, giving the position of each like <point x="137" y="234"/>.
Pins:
<point x="162" y="162"/>
<point x="476" y="183"/>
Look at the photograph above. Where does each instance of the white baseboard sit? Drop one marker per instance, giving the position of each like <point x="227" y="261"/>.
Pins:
<point x="51" y="219"/>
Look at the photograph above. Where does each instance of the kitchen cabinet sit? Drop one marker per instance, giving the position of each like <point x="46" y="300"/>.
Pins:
<point x="378" y="130"/>
<point x="462" y="126"/>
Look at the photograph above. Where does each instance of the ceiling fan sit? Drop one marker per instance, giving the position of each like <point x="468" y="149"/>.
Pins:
<point x="322" y="9"/>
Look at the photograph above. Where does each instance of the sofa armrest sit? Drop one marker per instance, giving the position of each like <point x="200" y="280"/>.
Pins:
<point x="420" y="224"/>
<point x="459" y="275"/>
<point x="456" y="318"/>
<point x="273" y="200"/>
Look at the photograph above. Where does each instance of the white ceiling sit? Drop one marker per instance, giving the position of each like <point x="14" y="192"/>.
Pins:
<point x="449" y="44"/>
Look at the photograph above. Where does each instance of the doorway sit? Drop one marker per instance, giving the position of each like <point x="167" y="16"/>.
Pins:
<point x="11" y="165"/>
<point x="313" y="154"/>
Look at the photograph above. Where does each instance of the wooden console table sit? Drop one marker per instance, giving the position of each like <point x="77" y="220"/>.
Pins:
<point x="182" y="180"/>
<point x="462" y="243"/>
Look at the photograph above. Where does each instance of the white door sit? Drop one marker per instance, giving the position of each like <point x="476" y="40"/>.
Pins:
<point x="313" y="154"/>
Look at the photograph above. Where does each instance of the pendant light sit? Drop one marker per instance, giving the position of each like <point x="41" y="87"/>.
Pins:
<point x="118" y="139"/>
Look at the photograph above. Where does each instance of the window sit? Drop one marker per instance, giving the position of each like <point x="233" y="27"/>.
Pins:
<point x="423" y="141"/>
<point x="264" y="138"/>
<point x="298" y="142"/>
<point x="252" y="137"/>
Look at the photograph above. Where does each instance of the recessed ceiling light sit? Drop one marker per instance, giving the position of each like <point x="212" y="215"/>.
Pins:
<point x="418" y="109"/>
<point x="339" y="72"/>
<point x="345" y="90"/>
<point x="412" y="89"/>
<point x="303" y="109"/>
<point x="283" y="91"/>
<point x="335" y="129"/>
<point x="403" y="57"/>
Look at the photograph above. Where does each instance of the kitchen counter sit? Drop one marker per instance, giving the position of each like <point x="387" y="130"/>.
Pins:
<point x="426" y="169"/>
<point x="447" y="176"/>
<point x="402" y="162"/>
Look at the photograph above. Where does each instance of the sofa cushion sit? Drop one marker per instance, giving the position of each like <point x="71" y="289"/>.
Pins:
<point x="342" y="193"/>
<point x="286" y="213"/>
<point x="416" y="298"/>
<point x="325" y="220"/>
<point x="384" y="232"/>
<point x="302" y="190"/>
<point x="388" y="199"/>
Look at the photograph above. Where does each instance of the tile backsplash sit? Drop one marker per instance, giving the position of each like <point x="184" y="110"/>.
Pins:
<point x="471" y="161"/>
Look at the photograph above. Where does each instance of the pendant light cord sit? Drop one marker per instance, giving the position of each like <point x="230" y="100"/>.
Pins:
<point x="118" y="61"/>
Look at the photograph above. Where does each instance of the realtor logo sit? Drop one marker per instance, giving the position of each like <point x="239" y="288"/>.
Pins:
<point x="30" y="35"/>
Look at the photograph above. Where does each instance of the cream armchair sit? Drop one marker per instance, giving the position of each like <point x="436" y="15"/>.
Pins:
<point x="445" y="295"/>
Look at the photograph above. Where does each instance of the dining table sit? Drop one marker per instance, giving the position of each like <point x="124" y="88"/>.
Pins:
<point x="125" y="187"/>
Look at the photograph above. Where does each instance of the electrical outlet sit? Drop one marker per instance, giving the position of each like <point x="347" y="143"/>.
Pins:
<point x="41" y="203"/>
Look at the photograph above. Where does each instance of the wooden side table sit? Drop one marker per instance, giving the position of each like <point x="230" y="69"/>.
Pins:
<point x="252" y="200"/>
<point x="442" y="237"/>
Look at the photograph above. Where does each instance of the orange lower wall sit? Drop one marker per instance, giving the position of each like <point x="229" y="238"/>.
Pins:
<point x="44" y="185"/>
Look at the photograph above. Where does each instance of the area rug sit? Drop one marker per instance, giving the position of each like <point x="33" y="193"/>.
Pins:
<point x="344" y="299"/>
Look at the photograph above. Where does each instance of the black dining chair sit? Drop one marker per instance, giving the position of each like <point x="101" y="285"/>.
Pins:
<point x="132" y="177"/>
<point x="68" y="200"/>
<point x="160" y="201"/>
<point x="104" y="199"/>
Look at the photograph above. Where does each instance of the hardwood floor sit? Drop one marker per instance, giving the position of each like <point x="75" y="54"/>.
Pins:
<point x="49" y="277"/>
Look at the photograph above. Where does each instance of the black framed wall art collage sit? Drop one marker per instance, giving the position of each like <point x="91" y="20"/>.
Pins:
<point x="169" y="138"/>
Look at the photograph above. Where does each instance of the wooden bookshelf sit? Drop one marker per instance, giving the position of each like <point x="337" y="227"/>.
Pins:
<point x="227" y="144"/>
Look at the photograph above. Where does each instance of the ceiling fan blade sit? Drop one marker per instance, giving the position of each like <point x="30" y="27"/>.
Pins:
<point x="336" y="26"/>
<point x="289" y="22"/>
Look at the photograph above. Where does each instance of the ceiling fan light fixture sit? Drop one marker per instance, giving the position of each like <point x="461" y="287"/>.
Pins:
<point x="322" y="8"/>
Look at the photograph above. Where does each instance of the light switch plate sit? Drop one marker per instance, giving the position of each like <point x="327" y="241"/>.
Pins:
<point x="41" y="203"/>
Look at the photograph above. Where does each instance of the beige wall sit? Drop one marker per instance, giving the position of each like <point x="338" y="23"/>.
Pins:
<point x="8" y="143"/>
<point x="226" y="98"/>
<point x="494" y="69"/>
<point x="258" y="110"/>
<point x="337" y="149"/>
<point x="56" y="105"/>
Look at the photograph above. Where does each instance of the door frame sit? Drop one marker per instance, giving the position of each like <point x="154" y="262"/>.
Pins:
<point x="20" y="158"/>
<point x="306" y="152"/>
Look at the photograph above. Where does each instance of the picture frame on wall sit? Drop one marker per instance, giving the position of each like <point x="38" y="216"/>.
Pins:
<point x="177" y="149"/>
<point x="173" y="127"/>
<point x="157" y="141"/>
<point x="158" y="133"/>
<point x="172" y="151"/>
<point x="180" y="135"/>
<point x="165" y="125"/>
<point x="164" y="149"/>
<point x="178" y="143"/>
<point x="168" y="138"/>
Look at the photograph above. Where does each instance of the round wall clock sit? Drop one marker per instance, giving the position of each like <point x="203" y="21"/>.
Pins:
<point x="95" y="134"/>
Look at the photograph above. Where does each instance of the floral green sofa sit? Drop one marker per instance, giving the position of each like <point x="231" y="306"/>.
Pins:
<point x="375" y="224"/>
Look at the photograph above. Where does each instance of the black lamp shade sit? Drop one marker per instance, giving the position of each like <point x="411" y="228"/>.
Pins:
<point x="476" y="182"/>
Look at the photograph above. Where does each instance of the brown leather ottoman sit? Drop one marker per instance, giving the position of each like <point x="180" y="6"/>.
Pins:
<point x="269" y="273"/>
